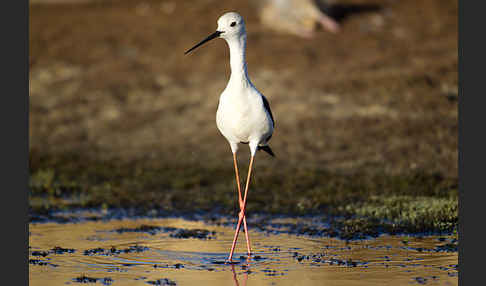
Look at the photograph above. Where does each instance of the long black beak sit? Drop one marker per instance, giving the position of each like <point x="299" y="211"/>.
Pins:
<point x="209" y="38"/>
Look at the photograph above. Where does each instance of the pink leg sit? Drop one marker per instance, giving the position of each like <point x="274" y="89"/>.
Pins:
<point x="328" y="23"/>
<point x="247" y="236"/>
<point x="241" y="215"/>
<point x="235" y="238"/>
<point x="240" y="200"/>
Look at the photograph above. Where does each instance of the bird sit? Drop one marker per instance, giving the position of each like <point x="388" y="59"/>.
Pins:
<point x="243" y="114"/>
<point x="298" y="17"/>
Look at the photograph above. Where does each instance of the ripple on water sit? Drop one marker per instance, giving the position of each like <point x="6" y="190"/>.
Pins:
<point x="180" y="252"/>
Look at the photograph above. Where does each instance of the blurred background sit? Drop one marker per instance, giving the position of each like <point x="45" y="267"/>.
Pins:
<point x="120" y="117"/>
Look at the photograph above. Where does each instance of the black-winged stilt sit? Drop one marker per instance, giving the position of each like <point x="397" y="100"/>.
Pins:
<point x="243" y="115"/>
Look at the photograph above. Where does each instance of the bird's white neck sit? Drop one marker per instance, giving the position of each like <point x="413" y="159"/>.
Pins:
<point x="239" y="73"/>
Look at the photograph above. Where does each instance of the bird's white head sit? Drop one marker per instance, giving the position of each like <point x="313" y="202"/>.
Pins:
<point x="230" y="26"/>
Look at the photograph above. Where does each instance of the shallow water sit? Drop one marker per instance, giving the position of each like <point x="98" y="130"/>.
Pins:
<point x="159" y="256"/>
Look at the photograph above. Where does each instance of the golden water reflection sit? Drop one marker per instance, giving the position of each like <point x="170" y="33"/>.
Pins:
<point x="278" y="259"/>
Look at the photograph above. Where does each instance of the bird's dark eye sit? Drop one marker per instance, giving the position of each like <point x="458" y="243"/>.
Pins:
<point x="233" y="24"/>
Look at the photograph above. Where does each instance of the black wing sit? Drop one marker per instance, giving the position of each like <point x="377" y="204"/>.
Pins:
<point x="267" y="108"/>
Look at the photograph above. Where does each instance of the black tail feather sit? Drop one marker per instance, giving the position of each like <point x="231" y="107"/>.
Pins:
<point x="267" y="149"/>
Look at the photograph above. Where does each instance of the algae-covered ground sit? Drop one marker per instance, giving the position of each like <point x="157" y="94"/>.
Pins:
<point x="366" y="120"/>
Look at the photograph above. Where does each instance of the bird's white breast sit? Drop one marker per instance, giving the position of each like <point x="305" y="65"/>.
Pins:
<point x="241" y="116"/>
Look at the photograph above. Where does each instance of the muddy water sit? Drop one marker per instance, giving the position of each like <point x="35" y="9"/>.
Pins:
<point x="95" y="252"/>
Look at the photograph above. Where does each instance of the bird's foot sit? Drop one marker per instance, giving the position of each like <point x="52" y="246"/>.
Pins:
<point x="230" y="262"/>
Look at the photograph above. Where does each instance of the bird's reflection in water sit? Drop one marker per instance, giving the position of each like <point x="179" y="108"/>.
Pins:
<point x="245" y="274"/>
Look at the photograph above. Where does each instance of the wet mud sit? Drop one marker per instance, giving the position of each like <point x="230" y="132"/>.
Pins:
<point x="144" y="251"/>
<point x="174" y="232"/>
<point x="349" y="227"/>
<point x="164" y="281"/>
<point x="85" y="279"/>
